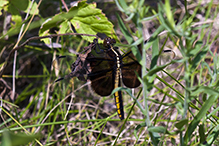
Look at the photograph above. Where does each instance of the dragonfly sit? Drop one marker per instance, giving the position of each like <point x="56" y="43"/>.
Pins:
<point x="107" y="70"/>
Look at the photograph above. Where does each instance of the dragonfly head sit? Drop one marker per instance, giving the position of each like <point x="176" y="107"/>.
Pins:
<point x="108" y="42"/>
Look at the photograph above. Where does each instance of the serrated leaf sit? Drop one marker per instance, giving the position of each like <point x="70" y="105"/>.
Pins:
<point x="91" y="20"/>
<point x="53" y="22"/>
<point x="86" y="19"/>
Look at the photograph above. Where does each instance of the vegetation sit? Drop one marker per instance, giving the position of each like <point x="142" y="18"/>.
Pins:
<point x="177" y="103"/>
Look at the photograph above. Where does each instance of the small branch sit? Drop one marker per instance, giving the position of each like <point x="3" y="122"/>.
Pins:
<point x="36" y="38"/>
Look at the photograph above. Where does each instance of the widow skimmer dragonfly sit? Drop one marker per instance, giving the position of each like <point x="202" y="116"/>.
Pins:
<point x="107" y="70"/>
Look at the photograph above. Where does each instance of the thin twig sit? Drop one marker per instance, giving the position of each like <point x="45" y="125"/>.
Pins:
<point x="36" y="38"/>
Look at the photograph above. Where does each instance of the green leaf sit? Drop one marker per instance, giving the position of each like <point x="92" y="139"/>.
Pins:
<point x="179" y="125"/>
<point x="213" y="136"/>
<point x="202" y="112"/>
<point x="157" y="129"/>
<point x="194" y="50"/>
<point x="15" y="7"/>
<point x="199" y="57"/>
<point x="124" y="30"/>
<point x="121" y="5"/>
<point x="197" y="90"/>
<point x="91" y="20"/>
<point x="65" y="27"/>
<point x="151" y="75"/>
<point x="154" y="130"/>
<point x="169" y="13"/>
<point x="11" y="139"/>
<point x="19" y="5"/>
<point x="86" y="19"/>
<point x="32" y="8"/>
<point x="3" y="3"/>
<point x="155" y="53"/>
<point x="15" y="18"/>
<point x="201" y="132"/>
<point x="164" y="22"/>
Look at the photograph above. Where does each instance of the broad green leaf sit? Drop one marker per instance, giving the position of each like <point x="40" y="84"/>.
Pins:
<point x="19" y="5"/>
<point x="54" y="22"/>
<point x="16" y="6"/>
<point x="15" y="18"/>
<point x="86" y="19"/>
<point x="32" y="8"/>
<point x="65" y="27"/>
<point x="3" y="3"/>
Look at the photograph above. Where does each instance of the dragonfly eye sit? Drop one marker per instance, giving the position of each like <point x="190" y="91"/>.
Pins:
<point x="108" y="42"/>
